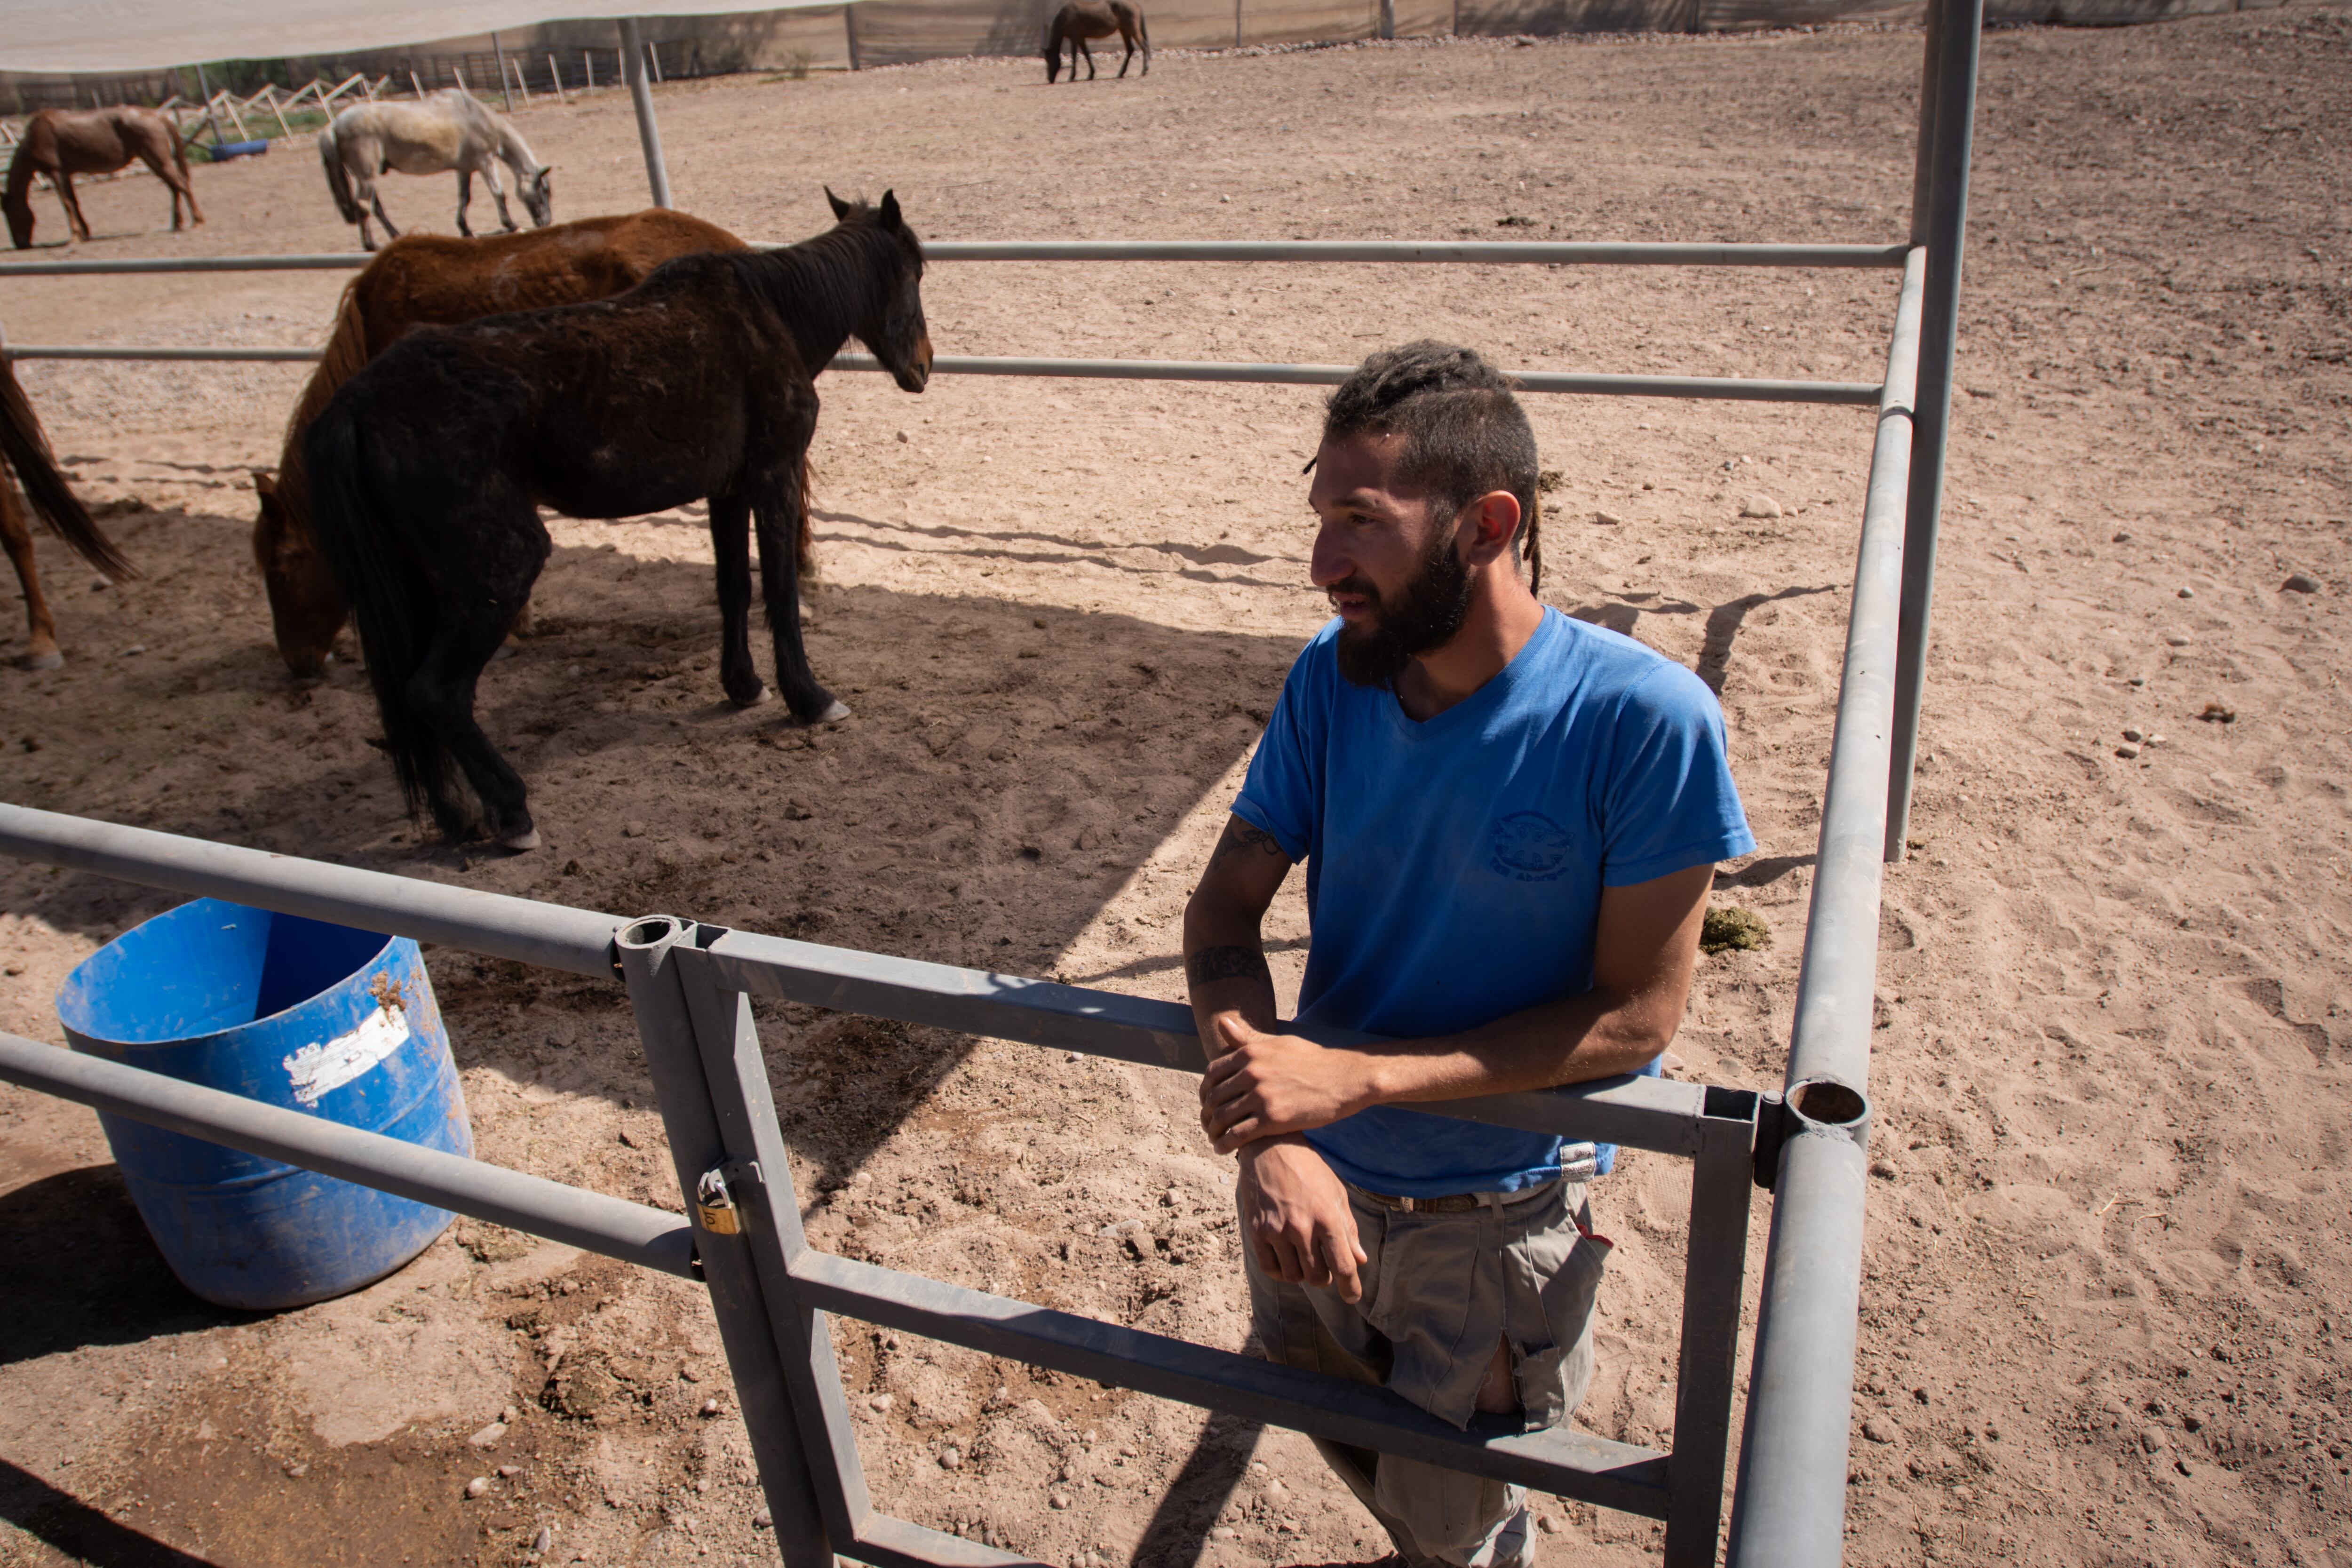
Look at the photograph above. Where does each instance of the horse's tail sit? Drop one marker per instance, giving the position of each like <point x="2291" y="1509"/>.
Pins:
<point x="382" y="587"/>
<point x="27" y="447"/>
<point x="338" y="179"/>
<point x="804" y="546"/>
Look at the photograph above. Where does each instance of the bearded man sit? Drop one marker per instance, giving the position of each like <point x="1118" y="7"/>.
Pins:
<point x="1510" y="821"/>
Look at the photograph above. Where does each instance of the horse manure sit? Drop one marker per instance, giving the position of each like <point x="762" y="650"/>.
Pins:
<point x="1729" y="926"/>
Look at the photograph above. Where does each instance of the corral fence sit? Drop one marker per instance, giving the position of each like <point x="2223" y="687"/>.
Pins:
<point x="571" y="56"/>
<point x="690" y="985"/>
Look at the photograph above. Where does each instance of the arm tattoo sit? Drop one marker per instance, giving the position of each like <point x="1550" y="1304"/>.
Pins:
<point x="1240" y="835"/>
<point x="1229" y="962"/>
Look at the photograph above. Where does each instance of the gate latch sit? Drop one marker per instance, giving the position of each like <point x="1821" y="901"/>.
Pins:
<point x="716" y="1205"/>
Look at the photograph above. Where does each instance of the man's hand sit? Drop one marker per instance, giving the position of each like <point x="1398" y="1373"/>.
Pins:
<point x="1297" y="1218"/>
<point x="1262" y="1085"/>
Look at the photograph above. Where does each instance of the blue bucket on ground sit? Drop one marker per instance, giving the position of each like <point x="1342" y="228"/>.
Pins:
<point x="323" y="1019"/>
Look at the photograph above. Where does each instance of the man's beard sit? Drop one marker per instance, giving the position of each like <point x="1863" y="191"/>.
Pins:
<point x="1425" y="614"/>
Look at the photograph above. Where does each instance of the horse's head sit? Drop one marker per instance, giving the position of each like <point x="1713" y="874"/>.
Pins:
<point x="1052" y="52"/>
<point x="19" y="208"/>
<point x="537" y="197"/>
<point x="895" y="331"/>
<point x="306" y="605"/>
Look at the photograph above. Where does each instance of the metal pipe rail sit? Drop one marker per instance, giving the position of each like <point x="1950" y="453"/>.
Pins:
<point x="1790" y="1504"/>
<point x="549" y="936"/>
<point x="631" y="1232"/>
<point x="1728" y="388"/>
<point x="691" y="988"/>
<point x="1486" y="253"/>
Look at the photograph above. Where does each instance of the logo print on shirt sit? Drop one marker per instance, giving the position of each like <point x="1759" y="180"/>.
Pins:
<point x="1531" y="847"/>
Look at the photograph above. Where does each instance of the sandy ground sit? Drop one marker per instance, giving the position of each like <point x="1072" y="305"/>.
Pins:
<point x="2103" y="1319"/>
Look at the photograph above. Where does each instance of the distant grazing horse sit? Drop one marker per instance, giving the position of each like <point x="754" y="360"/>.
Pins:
<point x="1082" y="19"/>
<point x="27" y="447"/>
<point x="92" y="141"/>
<point x="447" y="130"/>
<point x="428" y="468"/>
<point x="426" y="280"/>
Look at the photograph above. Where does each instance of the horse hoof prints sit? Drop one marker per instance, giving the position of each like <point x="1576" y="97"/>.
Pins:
<point x="427" y="470"/>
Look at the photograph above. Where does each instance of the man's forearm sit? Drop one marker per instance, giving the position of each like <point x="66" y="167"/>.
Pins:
<point x="1226" y="970"/>
<point x="1597" y="1035"/>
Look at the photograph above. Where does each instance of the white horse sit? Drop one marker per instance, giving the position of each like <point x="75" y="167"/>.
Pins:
<point x="447" y="130"/>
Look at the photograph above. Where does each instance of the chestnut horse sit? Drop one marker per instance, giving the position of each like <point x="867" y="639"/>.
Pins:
<point x="429" y="468"/>
<point x="1082" y="19"/>
<point x="27" y="447"/>
<point x="62" y="144"/>
<point x="435" y="280"/>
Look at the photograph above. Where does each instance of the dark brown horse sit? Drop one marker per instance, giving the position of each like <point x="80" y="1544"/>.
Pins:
<point x="27" y="447"/>
<point x="92" y="141"/>
<point x="428" y="468"/>
<point x="435" y="280"/>
<point x="1082" y="19"/>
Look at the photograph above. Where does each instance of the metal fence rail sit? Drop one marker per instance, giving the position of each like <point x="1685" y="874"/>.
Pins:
<point x="611" y="1226"/>
<point x="1476" y="252"/>
<point x="1737" y="389"/>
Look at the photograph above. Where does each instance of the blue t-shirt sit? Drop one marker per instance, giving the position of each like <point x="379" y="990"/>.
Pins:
<point x="1455" y="868"/>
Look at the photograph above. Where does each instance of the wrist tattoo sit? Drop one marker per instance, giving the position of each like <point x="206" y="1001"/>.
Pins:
<point x="1240" y="838"/>
<point x="1231" y="961"/>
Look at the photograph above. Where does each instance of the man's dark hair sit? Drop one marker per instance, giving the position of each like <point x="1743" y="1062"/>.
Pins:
<point x="1465" y="433"/>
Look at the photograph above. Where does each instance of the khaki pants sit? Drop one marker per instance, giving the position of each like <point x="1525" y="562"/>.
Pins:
<point x="1441" y="1291"/>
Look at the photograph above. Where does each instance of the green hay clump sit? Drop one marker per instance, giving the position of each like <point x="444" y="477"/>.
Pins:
<point x="1729" y="926"/>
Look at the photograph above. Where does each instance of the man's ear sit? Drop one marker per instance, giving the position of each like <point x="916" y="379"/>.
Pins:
<point x="1487" y="525"/>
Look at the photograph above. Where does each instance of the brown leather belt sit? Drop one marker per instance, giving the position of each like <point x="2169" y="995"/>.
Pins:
<point x="1454" y="1203"/>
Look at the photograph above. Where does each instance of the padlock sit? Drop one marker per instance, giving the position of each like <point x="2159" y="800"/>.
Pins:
<point x="716" y="1205"/>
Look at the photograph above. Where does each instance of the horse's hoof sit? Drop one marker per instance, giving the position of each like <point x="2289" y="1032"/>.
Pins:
<point x="833" y="714"/>
<point x="506" y="650"/>
<point x="762" y="695"/>
<point x="527" y="839"/>
<point x="52" y="659"/>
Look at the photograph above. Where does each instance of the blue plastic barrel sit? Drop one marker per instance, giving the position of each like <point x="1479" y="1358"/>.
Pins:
<point x="332" y="1022"/>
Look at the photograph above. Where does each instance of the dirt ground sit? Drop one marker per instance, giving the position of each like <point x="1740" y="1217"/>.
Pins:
<point x="2107" y="1259"/>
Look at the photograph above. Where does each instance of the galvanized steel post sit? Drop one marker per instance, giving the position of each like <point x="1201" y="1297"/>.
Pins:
<point x="632" y="70"/>
<point x="697" y="1145"/>
<point x="1948" y="92"/>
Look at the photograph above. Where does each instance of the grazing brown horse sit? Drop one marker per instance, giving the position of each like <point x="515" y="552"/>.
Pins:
<point x="429" y="468"/>
<point x="1082" y="19"/>
<point x="27" y="447"/>
<point x="435" y="280"/>
<point x="92" y="141"/>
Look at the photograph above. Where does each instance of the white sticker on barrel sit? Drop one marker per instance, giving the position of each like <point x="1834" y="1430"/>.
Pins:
<point x="316" y="1070"/>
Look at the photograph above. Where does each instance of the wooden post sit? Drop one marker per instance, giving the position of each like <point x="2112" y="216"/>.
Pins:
<point x="205" y="86"/>
<point x="652" y="57"/>
<point x="1386" y="19"/>
<point x="416" y="84"/>
<point x="521" y="86"/>
<point x="275" y="109"/>
<point x="849" y="28"/>
<point x="1237" y="24"/>
<point x="557" y="72"/>
<point x="505" y="91"/>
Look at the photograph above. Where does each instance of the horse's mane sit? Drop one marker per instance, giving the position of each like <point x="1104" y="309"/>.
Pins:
<point x="345" y="356"/>
<point x="809" y="285"/>
<point x="21" y="169"/>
